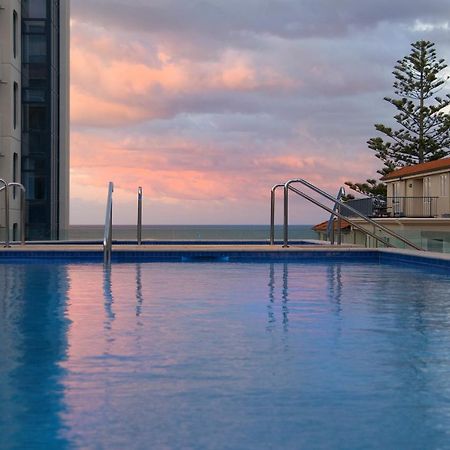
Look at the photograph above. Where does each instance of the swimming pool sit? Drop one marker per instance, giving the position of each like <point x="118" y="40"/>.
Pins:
<point x="312" y="354"/>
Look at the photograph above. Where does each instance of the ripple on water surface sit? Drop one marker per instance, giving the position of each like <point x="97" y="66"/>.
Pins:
<point x="212" y="355"/>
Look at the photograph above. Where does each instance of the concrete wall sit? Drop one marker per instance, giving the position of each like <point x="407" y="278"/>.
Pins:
<point x="10" y="128"/>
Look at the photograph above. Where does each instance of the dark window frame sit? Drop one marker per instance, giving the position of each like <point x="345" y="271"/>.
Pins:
<point x="15" y="32"/>
<point x="15" y="103"/>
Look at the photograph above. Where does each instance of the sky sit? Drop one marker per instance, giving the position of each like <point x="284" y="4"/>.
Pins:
<point x="207" y="104"/>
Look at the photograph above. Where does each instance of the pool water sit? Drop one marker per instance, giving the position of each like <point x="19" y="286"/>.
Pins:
<point x="224" y="356"/>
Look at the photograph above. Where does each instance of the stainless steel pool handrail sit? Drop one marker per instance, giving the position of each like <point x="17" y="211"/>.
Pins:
<point x="22" y="209"/>
<point x="5" y="188"/>
<point x="288" y="187"/>
<point x="107" y="235"/>
<point x="139" y="217"/>
<point x="272" y="212"/>
<point x="330" y="226"/>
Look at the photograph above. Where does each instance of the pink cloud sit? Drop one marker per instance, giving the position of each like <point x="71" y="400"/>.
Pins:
<point x="131" y="83"/>
<point x="132" y="163"/>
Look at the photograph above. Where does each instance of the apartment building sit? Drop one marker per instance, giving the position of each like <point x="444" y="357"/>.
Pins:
<point x="34" y="115"/>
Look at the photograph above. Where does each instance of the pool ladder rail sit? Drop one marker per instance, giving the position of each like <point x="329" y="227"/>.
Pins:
<point x="107" y="235"/>
<point x="335" y="212"/>
<point x="5" y="186"/>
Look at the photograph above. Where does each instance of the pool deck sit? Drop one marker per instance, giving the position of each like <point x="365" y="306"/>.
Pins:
<point x="177" y="248"/>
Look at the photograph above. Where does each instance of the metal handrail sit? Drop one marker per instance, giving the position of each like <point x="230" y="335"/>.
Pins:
<point x="330" y="226"/>
<point x="22" y="209"/>
<point x="107" y="236"/>
<point x="288" y="187"/>
<point x="139" y="217"/>
<point x="272" y="212"/>
<point x="5" y="188"/>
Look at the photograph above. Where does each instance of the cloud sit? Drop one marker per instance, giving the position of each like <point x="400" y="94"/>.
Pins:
<point x="213" y="102"/>
<point x="290" y="19"/>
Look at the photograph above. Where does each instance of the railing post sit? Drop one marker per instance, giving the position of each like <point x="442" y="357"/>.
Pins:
<point x="107" y="236"/>
<point x="22" y="216"/>
<point x="272" y="212"/>
<point x="286" y="216"/>
<point x="339" y="225"/>
<point x="139" y="217"/>
<point x="272" y="217"/>
<point x="7" y="243"/>
<point x="22" y="209"/>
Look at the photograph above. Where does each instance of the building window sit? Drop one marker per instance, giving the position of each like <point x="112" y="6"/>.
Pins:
<point x="15" y="232"/>
<point x="35" y="9"/>
<point x="15" y="33"/>
<point x="444" y="185"/>
<point x="426" y="186"/>
<point x="396" y="201"/>
<point x="15" y="171"/>
<point x="15" y="103"/>
<point x="34" y="48"/>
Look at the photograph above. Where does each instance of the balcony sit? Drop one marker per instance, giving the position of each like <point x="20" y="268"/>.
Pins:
<point x="420" y="207"/>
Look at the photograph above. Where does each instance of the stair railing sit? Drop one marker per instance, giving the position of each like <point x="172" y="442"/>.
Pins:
<point x="288" y="187"/>
<point x="5" y="188"/>
<point x="107" y="235"/>
<point x="330" y="226"/>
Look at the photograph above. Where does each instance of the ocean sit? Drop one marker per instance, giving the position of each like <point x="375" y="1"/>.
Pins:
<point x="191" y="232"/>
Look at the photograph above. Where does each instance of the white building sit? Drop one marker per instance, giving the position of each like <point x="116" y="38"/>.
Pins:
<point x="421" y="190"/>
<point x="34" y="114"/>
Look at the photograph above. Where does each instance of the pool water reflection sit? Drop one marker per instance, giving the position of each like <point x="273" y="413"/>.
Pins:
<point x="224" y="355"/>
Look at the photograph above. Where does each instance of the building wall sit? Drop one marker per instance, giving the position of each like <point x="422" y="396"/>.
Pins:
<point x="10" y="108"/>
<point x="428" y="185"/>
<point x="441" y="190"/>
<point x="45" y="148"/>
<point x="34" y="114"/>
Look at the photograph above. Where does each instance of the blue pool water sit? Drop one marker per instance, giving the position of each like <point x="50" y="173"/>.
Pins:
<point x="224" y="356"/>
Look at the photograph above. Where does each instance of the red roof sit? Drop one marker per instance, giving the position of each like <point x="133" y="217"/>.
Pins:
<point x="416" y="169"/>
<point x="323" y="225"/>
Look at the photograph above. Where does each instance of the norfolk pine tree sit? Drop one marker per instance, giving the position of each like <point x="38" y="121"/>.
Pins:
<point x="424" y="132"/>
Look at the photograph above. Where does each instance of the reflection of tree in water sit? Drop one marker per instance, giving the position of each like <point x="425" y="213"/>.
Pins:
<point x="33" y="345"/>
<point x="271" y="320"/>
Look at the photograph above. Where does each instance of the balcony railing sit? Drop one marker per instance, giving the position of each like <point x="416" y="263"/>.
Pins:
<point x="395" y="206"/>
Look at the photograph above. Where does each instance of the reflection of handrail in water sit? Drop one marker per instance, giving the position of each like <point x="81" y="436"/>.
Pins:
<point x="139" y="297"/>
<point x="271" y="319"/>
<point x="335" y="286"/>
<point x="108" y="297"/>
<point x="284" y="298"/>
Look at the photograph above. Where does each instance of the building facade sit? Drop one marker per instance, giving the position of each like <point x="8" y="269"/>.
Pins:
<point x="34" y="110"/>
<point x="417" y="207"/>
<point x="421" y="190"/>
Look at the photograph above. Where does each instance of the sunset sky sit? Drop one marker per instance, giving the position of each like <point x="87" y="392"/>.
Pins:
<point x="208" y="103"/>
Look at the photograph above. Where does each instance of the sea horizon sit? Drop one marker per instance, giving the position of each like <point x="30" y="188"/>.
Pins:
<point x="191" y="232"/>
